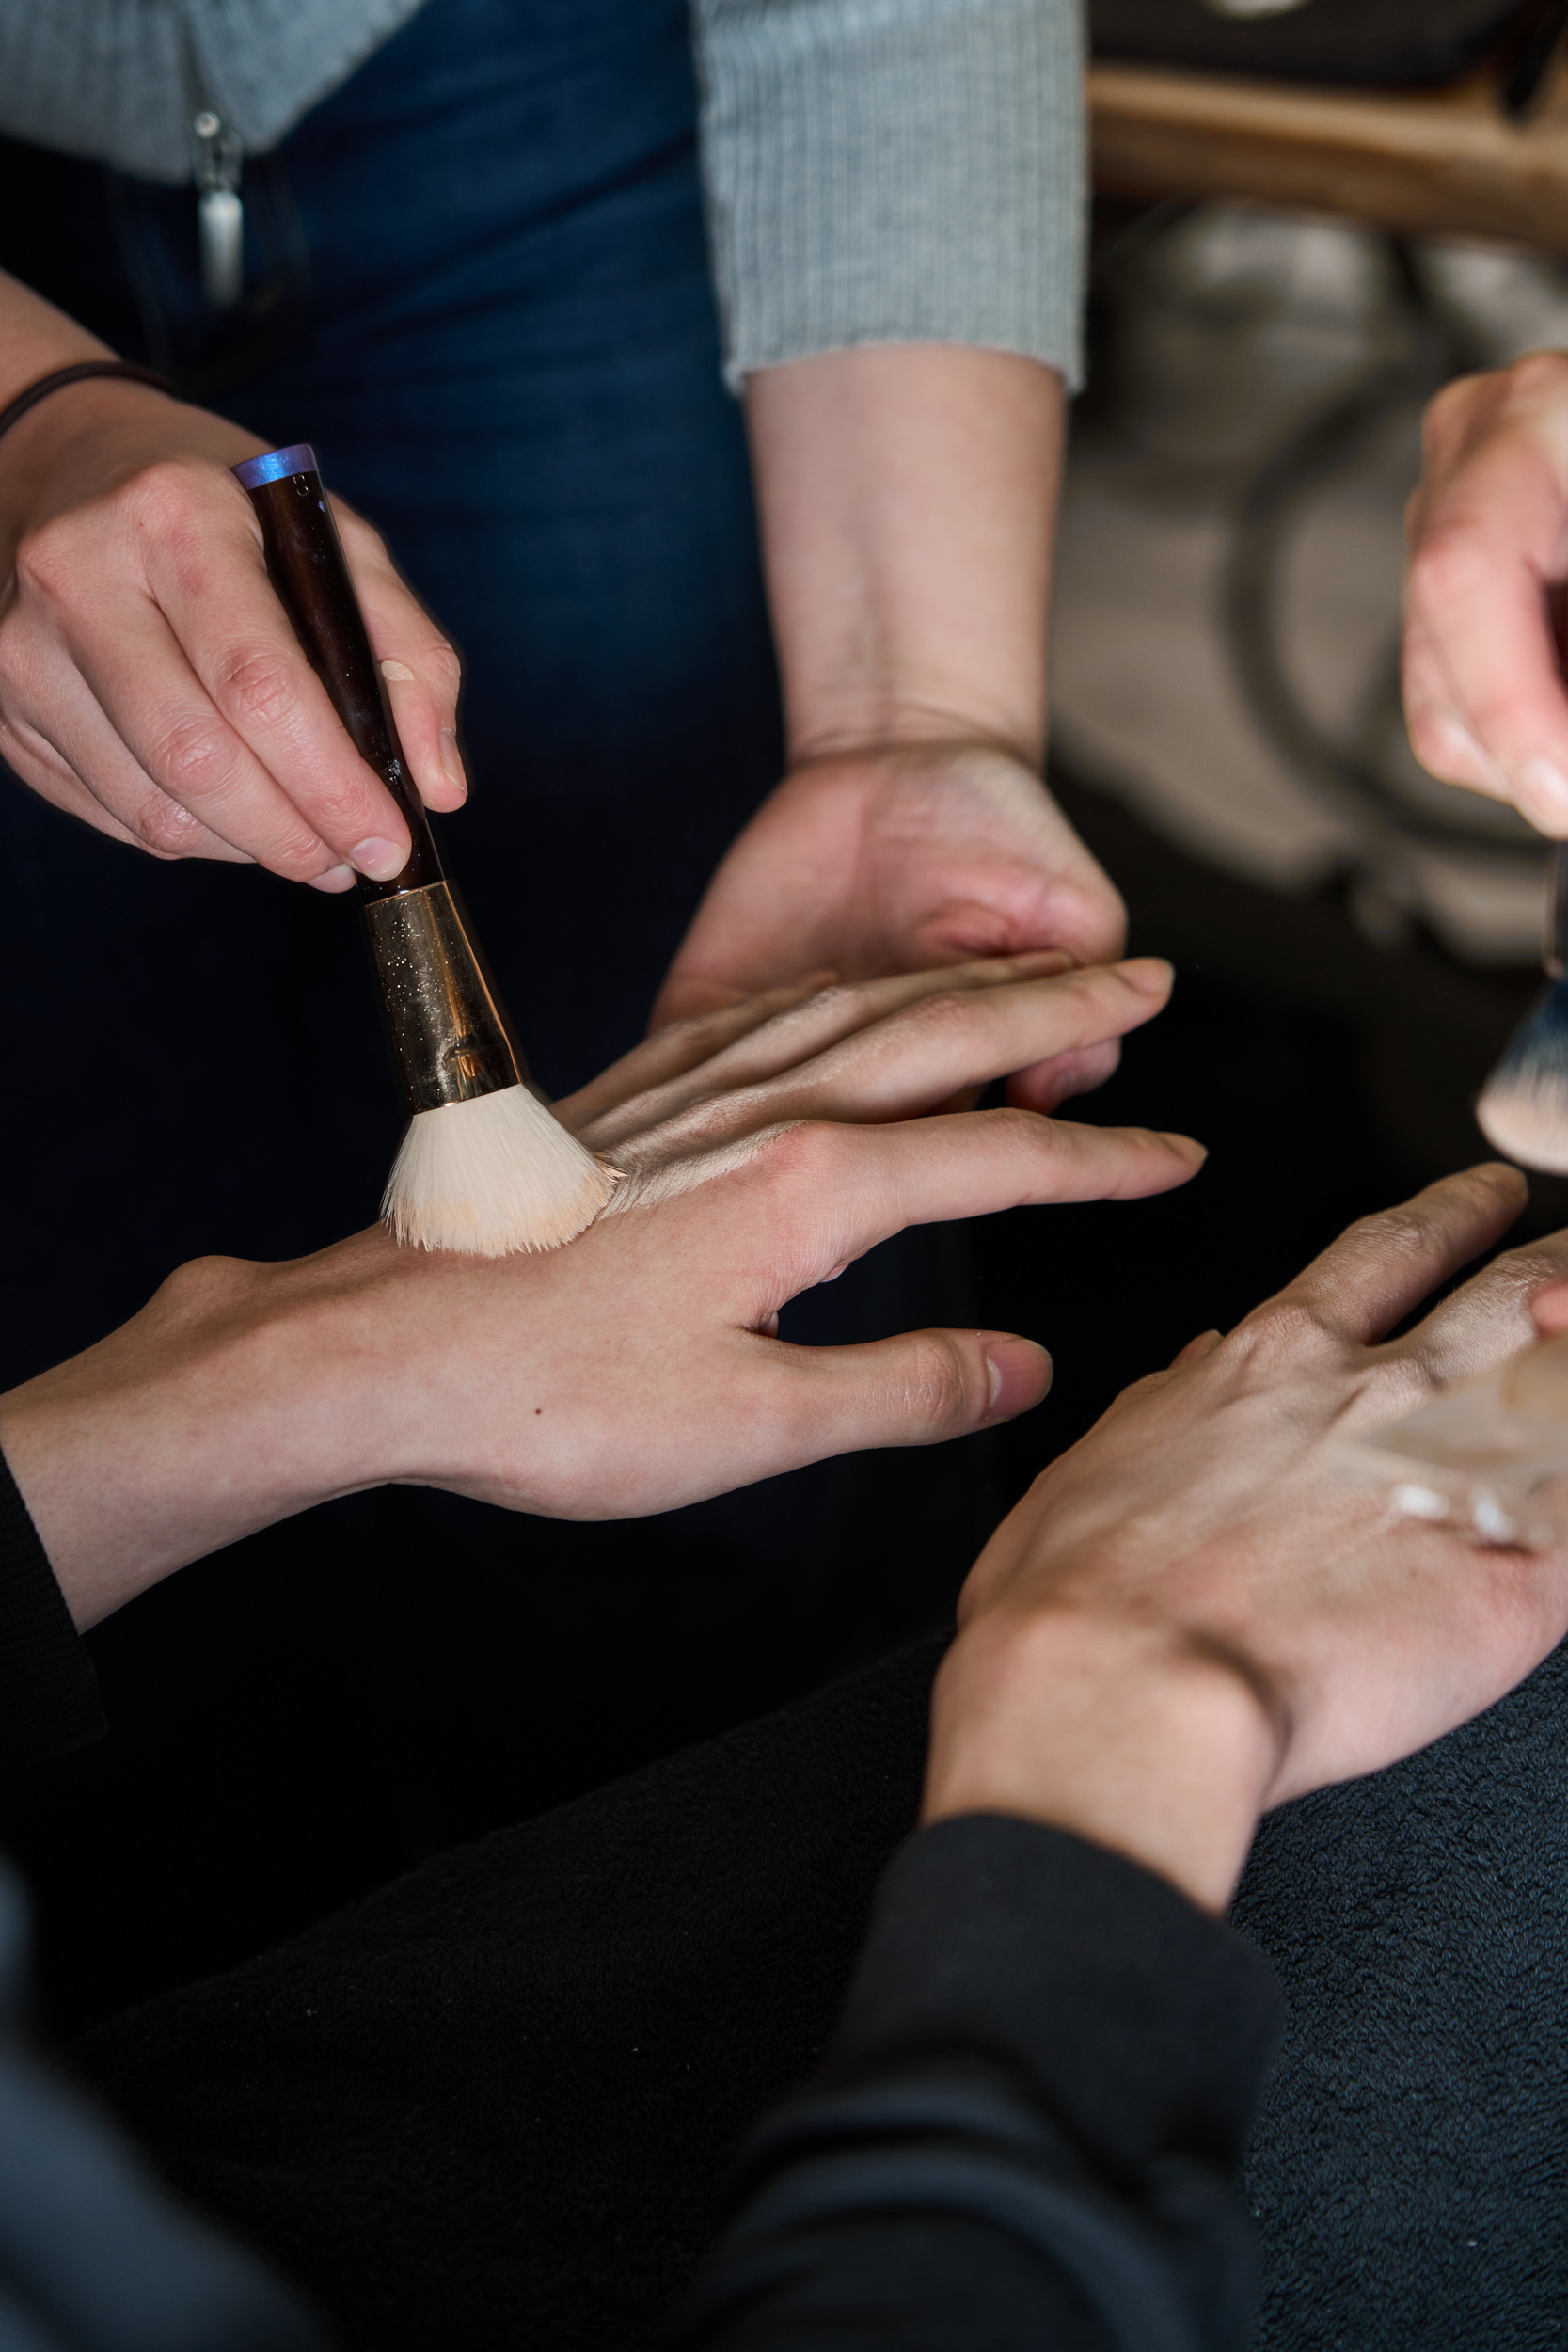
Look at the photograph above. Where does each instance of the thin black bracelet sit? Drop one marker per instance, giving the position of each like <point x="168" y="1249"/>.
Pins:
<point x="83" y="368"/>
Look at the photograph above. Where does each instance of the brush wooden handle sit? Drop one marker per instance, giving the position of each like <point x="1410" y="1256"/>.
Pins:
<point x="310" y="571"/>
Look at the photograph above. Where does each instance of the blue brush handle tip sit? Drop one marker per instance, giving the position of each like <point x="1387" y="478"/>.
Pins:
<point x="277" y="465"/>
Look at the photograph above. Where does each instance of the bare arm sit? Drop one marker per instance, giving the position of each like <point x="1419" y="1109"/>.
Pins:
<point x="906" y="497"/>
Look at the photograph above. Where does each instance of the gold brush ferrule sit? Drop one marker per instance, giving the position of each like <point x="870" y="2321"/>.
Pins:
<point x="447" y="1033"/>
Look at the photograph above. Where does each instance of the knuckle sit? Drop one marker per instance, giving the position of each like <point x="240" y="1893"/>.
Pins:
<point x="803" y="1166"/>
<point x="194" y="759"/>
<point x="201" y="1287"/>
<point x="805" y="1152"/>
<point x="937" y="1381"/>
<point x="846" y="1001"/>
<point x="1282" y="1332"/>
<point x="1526" y="1270"/>
<point x="42" y="561"/>
<point x="167" y="500"/>
<point x="1394" y="1233"/>
<point x="259" y="689"/>
<point x="1449" y="564"/>
<point x="163" y="827"/>
<point x="949" y="1012"/>
<point x="1009" y="1124"/>
<point x="444" y="665"/>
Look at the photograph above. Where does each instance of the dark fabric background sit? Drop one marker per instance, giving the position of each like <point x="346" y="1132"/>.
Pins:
<point x="478" y="285"/>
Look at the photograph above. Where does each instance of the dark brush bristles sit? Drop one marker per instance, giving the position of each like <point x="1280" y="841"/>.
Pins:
<point x="1523" y="1110"/>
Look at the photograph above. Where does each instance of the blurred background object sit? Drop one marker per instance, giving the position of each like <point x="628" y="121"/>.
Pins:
<point x="1227" y="628"/>
<point x="1354" y="941"/>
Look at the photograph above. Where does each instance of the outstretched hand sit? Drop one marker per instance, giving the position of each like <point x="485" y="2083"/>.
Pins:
<point x="1196" y="1614"/>
<point x="762" y="1148"/>
<point x="894" y="860"/>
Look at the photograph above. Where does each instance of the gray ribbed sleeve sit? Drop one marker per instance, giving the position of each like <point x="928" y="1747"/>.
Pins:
<point x="894" y="171"/>
<point x="877" y="170"/>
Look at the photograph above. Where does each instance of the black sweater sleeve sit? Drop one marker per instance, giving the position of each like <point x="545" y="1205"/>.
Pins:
<point x="48" y="1689"/>
<point x="1026" y="2133"/>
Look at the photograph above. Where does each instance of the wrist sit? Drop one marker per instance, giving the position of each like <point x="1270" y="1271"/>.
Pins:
<point x="873" y="727"/>
<point x="225" y="1406"/>
<point x="89" y="437"/>
<point x="1127" y="1735"/>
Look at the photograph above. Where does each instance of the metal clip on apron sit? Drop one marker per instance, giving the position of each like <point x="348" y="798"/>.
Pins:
<point x="218" y="159"/>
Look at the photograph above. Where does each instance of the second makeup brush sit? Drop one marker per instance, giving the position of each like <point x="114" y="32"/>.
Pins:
<point x="1523" y="1108"/>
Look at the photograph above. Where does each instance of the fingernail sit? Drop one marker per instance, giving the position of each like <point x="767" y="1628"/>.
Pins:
<point x="1019" y="1373"/>
<point x="399" y="672"/>
<point x="1185" y="1148"/>
<point x="1545" y="788"/>
<point x="1151" y="974"/>
<point x="336" y="878"/>
<point x="379" y="859"/>
<point x="451" y="760"/>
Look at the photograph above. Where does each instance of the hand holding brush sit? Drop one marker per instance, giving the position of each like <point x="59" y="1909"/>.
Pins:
<point x="483" y="1167"/>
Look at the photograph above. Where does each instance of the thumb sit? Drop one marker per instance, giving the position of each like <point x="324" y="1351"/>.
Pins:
<point x="919" y="1389"/>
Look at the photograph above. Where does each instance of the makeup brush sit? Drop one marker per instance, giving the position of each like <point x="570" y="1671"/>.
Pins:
<point x="1523" y="1108"/>
<point x="483" y="1167"/>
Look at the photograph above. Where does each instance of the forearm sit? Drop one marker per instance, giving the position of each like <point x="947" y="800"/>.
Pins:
<point x="77" y="435"/>
<point x="907" y="499"/>
<point x="35" y="339"/>
<point x="1111" y="1729"/>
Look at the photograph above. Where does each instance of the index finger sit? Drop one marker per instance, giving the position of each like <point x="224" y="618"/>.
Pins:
<point x="923" y="1055"/>
<point x="779" y="1031"/>
<point x="1373" y="1277"/>
<point x="212" y="588"/>
<point x="1489" y="539"/>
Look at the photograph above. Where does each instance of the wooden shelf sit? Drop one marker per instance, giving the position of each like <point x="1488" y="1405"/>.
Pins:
<point x="1446" y="163"/>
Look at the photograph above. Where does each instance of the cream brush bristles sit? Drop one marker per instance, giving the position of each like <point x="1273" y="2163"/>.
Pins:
<point x="492" y="1175"/>
<point x="483" y="1168"/>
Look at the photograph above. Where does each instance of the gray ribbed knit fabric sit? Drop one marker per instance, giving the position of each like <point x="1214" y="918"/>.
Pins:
<point x="107" y="78"/>
<point x="894" y="171"/>
<point x="877" y="170"/>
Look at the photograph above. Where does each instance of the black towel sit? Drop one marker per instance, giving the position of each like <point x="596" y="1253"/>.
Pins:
<point x="494" y="2106"/>
<point x="1410" y="2168"/>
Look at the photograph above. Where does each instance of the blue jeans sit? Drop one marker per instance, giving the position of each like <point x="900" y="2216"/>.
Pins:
<point x="480" y="287"/>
